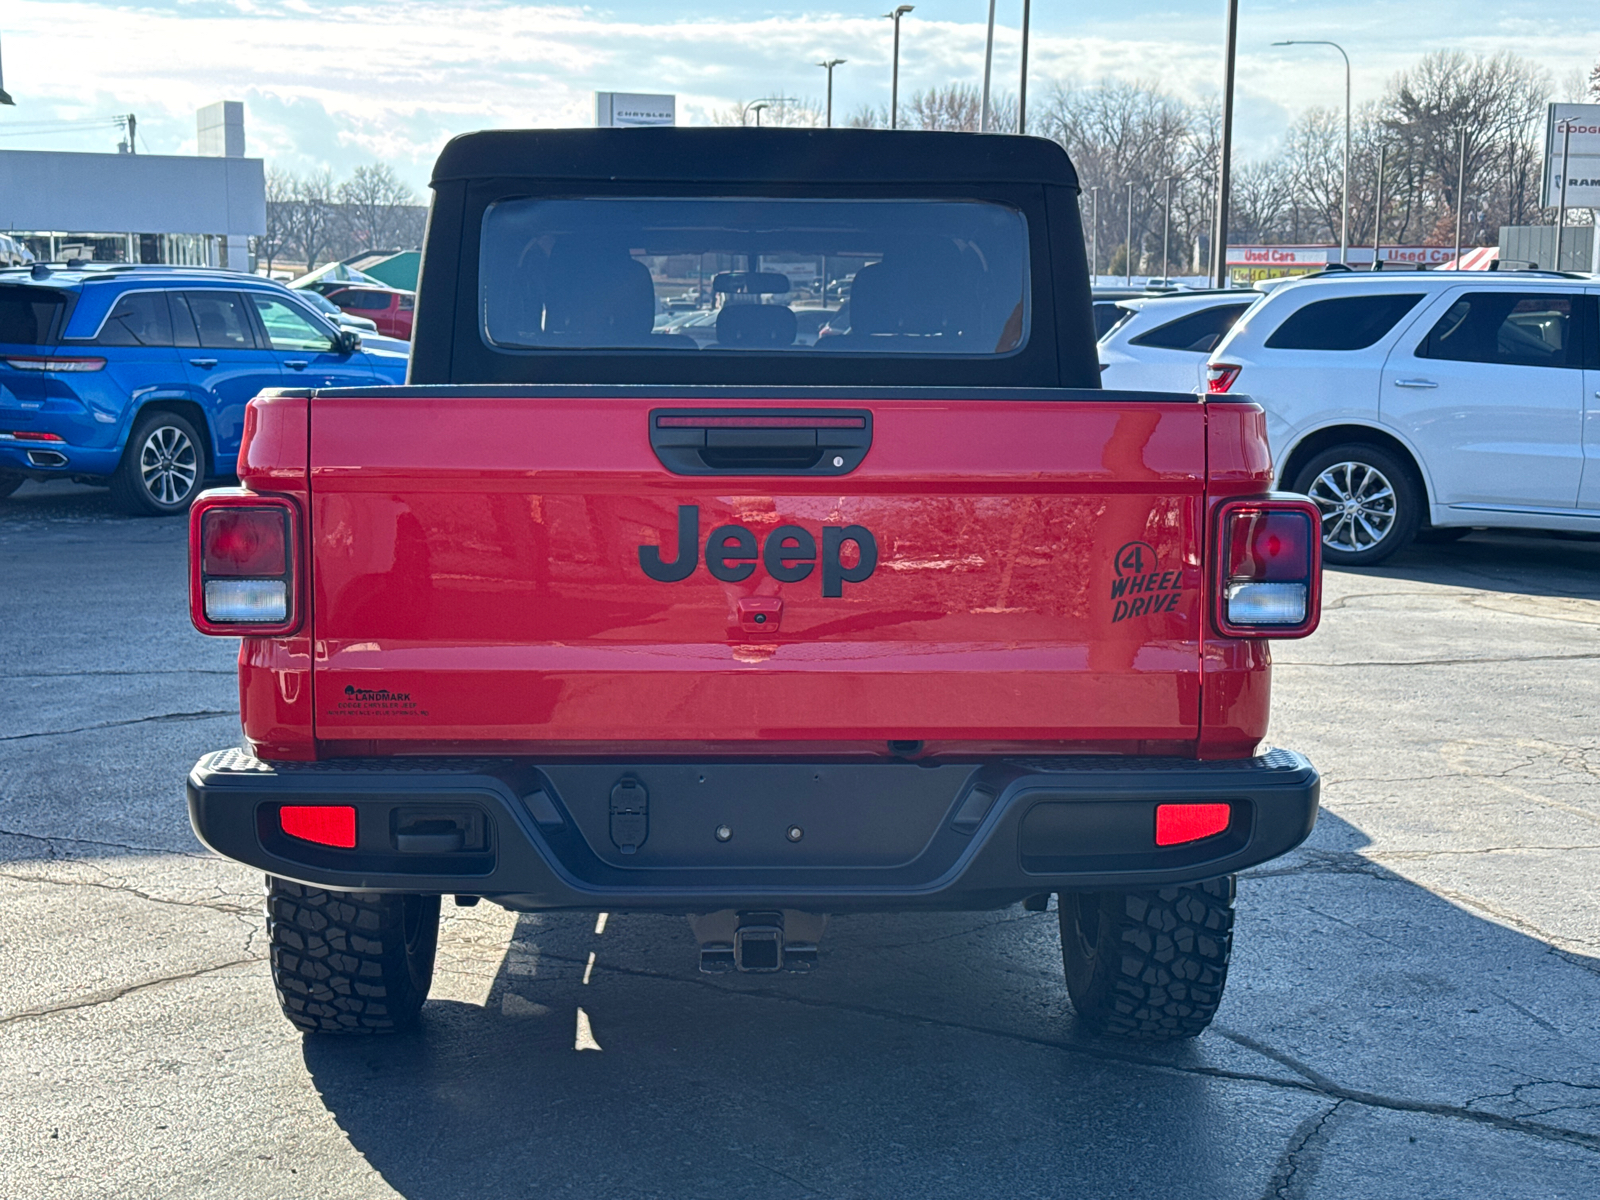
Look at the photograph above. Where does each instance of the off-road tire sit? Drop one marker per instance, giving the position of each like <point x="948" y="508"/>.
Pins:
<point x="1149" y="966"/>
<point x="131" y="485"/>
<point x="1409" y="500"/>
<point x="347" y="962"/>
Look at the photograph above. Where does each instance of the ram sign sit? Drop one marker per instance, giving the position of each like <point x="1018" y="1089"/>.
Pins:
<point x="1576" y="128"/>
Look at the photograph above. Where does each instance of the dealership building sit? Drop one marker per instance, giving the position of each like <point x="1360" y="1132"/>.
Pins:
<point x="199" y="210"/>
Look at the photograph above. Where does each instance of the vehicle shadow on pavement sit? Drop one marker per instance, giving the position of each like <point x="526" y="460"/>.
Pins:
<point x="1518" y="562"/>
<point x="936" y="1055"/>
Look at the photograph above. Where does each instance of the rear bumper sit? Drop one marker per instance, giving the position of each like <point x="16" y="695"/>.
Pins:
<point x="696" y="837"/>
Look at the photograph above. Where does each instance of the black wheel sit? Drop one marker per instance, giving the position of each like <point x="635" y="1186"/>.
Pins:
<point x="10" y="483"/>
<point x="348" y="962"/>
<point x="1371" y="503"/>
<point x="162" y="467"/>
<point x="1149" y="966"/>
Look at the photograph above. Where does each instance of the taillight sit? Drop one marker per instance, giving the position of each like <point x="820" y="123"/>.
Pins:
<point x="325" y="824"/>
<point x="1269" y="568"/>
<point x="29" y="435"/>
<point x="242" y="564"/>
<point x="1220" y="377"/>
<point x="53" y="363"/>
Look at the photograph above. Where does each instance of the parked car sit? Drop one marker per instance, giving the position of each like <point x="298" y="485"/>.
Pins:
<point x="1426" y="401"/>
<point x="362" y="325"/>
<point x="1107" y="310"/>
<point x="13" y="253"/>
<point x="390" y="309"/>
<point x="139" y="375"/>
<point x="1163" y="342"/>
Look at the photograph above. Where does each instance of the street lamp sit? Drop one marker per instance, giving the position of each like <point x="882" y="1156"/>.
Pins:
<point x="894" y="84"/>
<point x="1219" y="249"/>
<point x="988" y="60"/>
<point x="1094" y="234"/>
<point x="828" y="67"/>
<point x="756" y="108"/>
<point x="1022" y="91"/>
<point x="1344" y="218"/>
<point x="756" y="105"/>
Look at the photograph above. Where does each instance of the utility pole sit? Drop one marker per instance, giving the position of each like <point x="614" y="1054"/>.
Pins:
<point x="1127" y="246"/>
<point x="1377" y="215"/>
<point x="1022" y="90"/>
<point x="1461" y="185"/>
<point x="1561" y="210"/>
<point x="133" y="134"/>
<point x="5" y="96"/>
<point x="894" y="78"/>
<point x="1219" y="249"/>
<point x="988" y="61"/>
<point x="828" y="67"/>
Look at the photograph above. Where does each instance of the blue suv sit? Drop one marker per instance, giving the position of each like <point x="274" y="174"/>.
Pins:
<point x="139" y="376"/>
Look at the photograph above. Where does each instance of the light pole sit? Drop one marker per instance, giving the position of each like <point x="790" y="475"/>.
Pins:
<point x="1377" y="214"/>
<point x="1022" y="89"/>
<point x="988" y="61"/>
<point x="1561" y="210"/>
<point x="1127" y="246"/>
<point x="1166" y="231"/>
<point x="756" y="108"/>
<point x="1461" y="186"/>
<point x="1094" y="235"/>
<point x="894" y="78"/>
<point x="756" y="105"/>
<point x="1344" y="218"/>
<point x="828" y="67"/>
<point x="1219" y="249"/>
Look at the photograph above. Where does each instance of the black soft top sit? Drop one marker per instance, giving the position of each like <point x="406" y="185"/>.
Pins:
<point x="743" y="155"/>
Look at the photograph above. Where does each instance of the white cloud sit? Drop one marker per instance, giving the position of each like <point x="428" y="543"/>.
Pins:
<point x="338" y="84"/>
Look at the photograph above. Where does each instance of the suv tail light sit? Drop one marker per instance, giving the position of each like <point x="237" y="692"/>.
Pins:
<point x="242" y="564"/>
<point x="35" y="362"/>
<point x="1220" y="377"/>
<point x="1269" y="567"/>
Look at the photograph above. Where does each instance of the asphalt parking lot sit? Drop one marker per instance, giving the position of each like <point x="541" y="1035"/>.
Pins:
<point x="1412" y="1010"/>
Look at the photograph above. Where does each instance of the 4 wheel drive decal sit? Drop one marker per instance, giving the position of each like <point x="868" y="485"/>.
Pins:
<point x="1140" y="589"/>
<point x="789" y="555"/>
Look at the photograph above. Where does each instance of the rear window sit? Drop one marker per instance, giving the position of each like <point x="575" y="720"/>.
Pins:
<point x="1514" y="328"/>
<point x="137" y="319"/>
<point x="1197" y="332"/>
<point x="806" y="276"/>
<point x="1348" y="323"/>
<point x="371" y="301"/>
<point x="30" y="316"/>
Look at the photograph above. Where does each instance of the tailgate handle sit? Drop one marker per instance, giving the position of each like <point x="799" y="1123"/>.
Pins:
<point x="760" y="441"/>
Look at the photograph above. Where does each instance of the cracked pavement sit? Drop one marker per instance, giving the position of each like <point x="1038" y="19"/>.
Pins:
<point x="1411" y="1010"/>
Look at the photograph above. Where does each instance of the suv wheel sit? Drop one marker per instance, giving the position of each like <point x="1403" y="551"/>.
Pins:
<point x="1149" y="965"/>
<point x="161" y="469"/>
<point x="350" y="962"/>
<point x="1371" y="505"/>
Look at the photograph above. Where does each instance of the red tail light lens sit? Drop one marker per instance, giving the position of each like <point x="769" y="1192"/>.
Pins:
<point x="1180" y="823"/>
<point x="1220" y="377"/>
<point x="242" y="556"/>
<point x="243" y="541"/>
<point x="1269" y="575"/>
<point x="325" y="824"/>
<point x="34" y="363"/>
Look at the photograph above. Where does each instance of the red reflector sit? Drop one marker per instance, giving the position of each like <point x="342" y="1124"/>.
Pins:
<point x="242" y="541"/>
<point x="325" y="824"/>
<point x="761" y="423"/>
<point x="30" y="435"/>
<point x="1268" y="546"/>
<point x="1179" y="823"/>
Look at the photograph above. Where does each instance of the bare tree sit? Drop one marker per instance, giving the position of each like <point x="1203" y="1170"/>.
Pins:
<point x="313" y="215"/>
<point x="776" y="112"/>
<point x="281" y="189"/>
<point x="959" y="107"/>
<point x="868" y="117"/>
<point x="373" y="202"/>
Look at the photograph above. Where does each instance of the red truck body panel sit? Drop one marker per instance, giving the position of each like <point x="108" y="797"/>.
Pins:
<point x="479" y="556"/>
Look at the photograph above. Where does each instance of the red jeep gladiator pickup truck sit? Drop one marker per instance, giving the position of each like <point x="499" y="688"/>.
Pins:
<point x="753" y="541"/>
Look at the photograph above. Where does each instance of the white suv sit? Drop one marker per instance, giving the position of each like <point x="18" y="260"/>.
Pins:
<point x="1405" y="401"/>
<point x="1161" y="343"/>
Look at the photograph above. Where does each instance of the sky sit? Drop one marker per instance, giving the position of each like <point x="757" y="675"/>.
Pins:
<point x="338" y="83"/>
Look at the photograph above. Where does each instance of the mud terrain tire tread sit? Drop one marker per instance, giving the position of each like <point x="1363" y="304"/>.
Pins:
<point x="1148" y="965"/>
<point x="342" y="962"/>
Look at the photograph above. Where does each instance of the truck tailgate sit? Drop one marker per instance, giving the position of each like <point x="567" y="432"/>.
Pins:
<point x="479" y="573"/>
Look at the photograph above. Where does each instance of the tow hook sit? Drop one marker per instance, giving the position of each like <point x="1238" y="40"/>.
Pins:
<point x="761" y="941"/>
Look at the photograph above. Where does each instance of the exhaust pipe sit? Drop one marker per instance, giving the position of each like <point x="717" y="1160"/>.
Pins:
<point x="47" y="458"/>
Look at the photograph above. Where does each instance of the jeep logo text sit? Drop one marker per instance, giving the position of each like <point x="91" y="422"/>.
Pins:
<point x="789" y="554"/>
